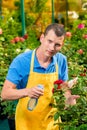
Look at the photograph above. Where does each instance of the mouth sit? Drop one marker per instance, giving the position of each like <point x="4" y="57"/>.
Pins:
<point x="50" y="52"/>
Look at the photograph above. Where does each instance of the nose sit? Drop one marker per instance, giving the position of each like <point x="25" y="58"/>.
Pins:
<point x="52" y="47"/>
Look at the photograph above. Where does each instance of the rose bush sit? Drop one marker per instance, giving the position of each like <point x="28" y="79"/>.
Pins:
<point x="76" y="43"/>
<point x="74" y="117"/>
<point x="12" y="43"/>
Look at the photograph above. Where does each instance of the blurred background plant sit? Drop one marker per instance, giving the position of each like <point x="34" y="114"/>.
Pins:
<point x="75" y="48"/>
<point x="13" y="43"/>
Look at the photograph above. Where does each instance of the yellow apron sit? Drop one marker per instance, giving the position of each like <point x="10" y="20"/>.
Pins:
<point x="41" y="118"/>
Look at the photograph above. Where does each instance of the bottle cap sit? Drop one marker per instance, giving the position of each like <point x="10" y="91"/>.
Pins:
<point x="40" y="86"/>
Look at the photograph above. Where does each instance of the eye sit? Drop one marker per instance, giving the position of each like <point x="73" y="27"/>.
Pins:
<point x="50" y="41"/>
<point x="57" y="45"/>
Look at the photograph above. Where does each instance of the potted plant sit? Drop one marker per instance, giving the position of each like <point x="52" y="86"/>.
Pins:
<point x="9" y="108"/>
<point x="2" y="116"/>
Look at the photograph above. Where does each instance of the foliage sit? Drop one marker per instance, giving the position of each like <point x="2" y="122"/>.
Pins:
<point x="74" y="117"/>
<point x="9" y="108"/>
<point x="12" y="44"/>
<point x="78" y="40"/>
<point x="75" y="48"/>
<point x="38" y="6"/>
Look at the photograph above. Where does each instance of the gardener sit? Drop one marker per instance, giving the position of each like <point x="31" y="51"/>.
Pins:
<point x="43" y="66"/>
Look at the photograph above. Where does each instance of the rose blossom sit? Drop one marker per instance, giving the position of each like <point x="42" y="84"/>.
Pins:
<point x="0" y="31"/>
<point x="81" y="26"/>
<point x="68" y="34"/>
<point x="80" y="51"/>
<point x="85" y="36"/>
<point x="58" y="84"/>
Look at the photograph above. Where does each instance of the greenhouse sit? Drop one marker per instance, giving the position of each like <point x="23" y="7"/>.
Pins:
<point x="57" y="58"/>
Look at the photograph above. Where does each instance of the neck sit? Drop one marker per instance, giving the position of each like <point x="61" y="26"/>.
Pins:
<point x="42" y="59"/>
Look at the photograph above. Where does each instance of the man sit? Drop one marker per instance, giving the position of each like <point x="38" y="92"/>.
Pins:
<point x="43" y="66"/>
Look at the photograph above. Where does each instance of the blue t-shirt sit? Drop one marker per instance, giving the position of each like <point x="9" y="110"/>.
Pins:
<point x="19" y="69"/>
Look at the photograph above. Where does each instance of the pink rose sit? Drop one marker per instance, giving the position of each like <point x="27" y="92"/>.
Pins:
<point x="17" y="39"/>
<point x="80" y="51"/>
<point x="22" y="39"/>
<point x="85" y="36"/>
<point x="81" y="26"/>
<point x="0" y="31"/>
<point x="68" y="34"/>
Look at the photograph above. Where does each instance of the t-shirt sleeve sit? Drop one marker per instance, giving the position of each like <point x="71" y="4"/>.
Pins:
<point x="19" y="70"/>
<point x="64" y="70"/>
<point x="13" y="74"/>
<point x="63" y="67"/>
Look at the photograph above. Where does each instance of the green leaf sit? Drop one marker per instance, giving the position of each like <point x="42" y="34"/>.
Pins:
<point x="56" y="116"/>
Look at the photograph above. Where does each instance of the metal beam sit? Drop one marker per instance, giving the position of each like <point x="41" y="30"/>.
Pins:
<point x="0" y="8"/>
<point x="53" y="17"/>
<point x="66" y="13"/>
<point x="23" y="17"/>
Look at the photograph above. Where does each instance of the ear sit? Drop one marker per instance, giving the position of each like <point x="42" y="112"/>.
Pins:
<point x="41" y="37"/>
<point x="62" y="43"/>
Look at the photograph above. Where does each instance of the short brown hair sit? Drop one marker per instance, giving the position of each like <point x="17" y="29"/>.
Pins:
<point x="57" y="28"/>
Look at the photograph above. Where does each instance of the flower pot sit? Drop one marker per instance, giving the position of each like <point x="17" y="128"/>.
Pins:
<point x="2" y="116"/>
<point x="11" y="123"/>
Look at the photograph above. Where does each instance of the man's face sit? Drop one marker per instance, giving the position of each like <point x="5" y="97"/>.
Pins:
<point x="51" y="43"/>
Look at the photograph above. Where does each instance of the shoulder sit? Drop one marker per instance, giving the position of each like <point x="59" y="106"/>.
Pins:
<point x="21" y="61"/>
<point x="59" y="56"/>
<point x="22" y="58"/>
<point x="24" y="55"/>
<point x="62" y="66"/>
<point x="61" y="59"/>
<point x="19" y="68"/>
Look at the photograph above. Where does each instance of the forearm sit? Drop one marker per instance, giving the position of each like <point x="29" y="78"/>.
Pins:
<point x="10" y="92"/>
<point x="13" y="94"/>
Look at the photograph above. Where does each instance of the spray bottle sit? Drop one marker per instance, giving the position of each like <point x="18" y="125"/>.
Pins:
<point x="33" y="101"/>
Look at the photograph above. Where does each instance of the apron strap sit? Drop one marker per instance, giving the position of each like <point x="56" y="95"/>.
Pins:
<point x="56" y="66"/>
<point x="32" y="61"/>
